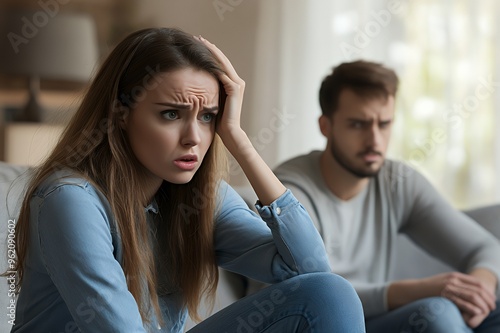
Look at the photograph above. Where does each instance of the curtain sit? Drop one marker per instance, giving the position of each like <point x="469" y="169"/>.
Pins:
<point x="449" y="95"/>
<point x="445" y="53"/>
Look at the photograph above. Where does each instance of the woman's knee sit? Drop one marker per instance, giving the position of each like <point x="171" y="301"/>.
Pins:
<point x="325" y="291"/>
<point x="322" y="302"/>
<point x="326" y="284"/>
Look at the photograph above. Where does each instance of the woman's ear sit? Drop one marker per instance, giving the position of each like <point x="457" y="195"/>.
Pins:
<point x="123" y="123"/>
<point x="325" y="125"/>
<point x="123" y="116"/>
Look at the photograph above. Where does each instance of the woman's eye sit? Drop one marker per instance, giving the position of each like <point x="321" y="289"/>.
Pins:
<point x="170" y="115"/>
<point x="207" y="117"/>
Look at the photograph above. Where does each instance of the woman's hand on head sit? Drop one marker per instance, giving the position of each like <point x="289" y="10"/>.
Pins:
<point x="265" y="184"/>
<point x="228" y="126"/>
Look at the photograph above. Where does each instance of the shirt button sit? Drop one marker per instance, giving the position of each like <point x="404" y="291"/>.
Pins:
<point x="278" y="210"/>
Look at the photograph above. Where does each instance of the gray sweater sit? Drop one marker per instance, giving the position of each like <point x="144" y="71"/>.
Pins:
<point x="360" y="234"/>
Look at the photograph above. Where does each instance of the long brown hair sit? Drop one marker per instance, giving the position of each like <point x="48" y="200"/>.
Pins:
<point x="95" y="146"/>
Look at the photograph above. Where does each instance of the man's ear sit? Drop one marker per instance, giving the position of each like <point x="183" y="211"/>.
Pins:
<point x="325" y="126"/>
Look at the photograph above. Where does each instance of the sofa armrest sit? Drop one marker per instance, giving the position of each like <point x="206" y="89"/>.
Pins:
<point x="488" y="217"/>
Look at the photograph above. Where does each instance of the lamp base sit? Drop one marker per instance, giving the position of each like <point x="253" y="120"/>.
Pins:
<point x="33" y="111"/>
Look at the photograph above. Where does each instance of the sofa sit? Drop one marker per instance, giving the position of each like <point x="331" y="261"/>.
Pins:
<point x="412" y="262"/>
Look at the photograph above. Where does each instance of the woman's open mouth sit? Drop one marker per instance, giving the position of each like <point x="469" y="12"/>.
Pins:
<point x="186" y="162"/>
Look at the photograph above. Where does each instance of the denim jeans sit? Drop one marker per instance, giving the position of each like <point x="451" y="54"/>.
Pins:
<point x="430" y="315"/>
<point x="314" y="302"/>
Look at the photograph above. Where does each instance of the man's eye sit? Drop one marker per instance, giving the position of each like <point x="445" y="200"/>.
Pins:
<point x="385" y="124"/>
<point x="207" y="117"/>
<point x="356" y="124"/>
<point x="170" y="115"/>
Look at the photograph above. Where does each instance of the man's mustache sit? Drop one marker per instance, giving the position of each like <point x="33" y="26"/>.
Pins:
<point x="370" y="151"/>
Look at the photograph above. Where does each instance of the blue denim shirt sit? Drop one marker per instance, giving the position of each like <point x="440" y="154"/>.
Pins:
<point x="74" y="281"/>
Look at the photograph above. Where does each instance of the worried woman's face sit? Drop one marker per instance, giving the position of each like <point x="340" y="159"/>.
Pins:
<point x="172" y="125"/>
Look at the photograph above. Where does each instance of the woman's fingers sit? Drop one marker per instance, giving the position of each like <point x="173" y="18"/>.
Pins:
<point x="229" y="122"/>
<point x="230" y="86"/>
<point x="226" y="64"/>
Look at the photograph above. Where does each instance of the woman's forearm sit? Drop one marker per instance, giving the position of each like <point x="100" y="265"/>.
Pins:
<point x="265" y="184"/>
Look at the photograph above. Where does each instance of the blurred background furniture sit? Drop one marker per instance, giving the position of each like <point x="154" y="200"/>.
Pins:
<point x="29" y="143"/>
<point x="61" y="48"/>
<point x="48" y="49"/>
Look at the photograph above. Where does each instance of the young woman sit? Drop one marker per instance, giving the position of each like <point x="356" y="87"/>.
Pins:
<point x="124" y="225"/>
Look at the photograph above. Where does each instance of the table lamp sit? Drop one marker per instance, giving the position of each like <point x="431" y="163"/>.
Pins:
<point x="45" y="46"/>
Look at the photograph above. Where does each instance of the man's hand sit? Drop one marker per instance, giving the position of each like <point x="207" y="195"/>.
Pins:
<point x="474" y="321"/>
<point x="473" y="296"/>
<point x="474" y="293"/>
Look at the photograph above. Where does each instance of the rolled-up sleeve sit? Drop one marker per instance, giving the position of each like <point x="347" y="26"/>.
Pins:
<point x="280" y="243"/>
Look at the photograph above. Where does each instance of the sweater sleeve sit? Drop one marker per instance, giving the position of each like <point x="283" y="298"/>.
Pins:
<point x="77" y="251"/>
<point x="279" y="244"/>
<point x="446" y="233"/>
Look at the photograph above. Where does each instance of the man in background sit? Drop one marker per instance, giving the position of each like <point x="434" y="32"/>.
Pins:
<point x="360" y="203"/>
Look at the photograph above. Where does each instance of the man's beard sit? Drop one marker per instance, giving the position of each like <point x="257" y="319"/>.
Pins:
<point x="343" y="160"/>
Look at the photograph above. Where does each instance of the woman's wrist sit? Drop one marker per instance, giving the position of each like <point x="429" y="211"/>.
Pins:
<point x="265" y="184"/>
<point x="237" y="143"/>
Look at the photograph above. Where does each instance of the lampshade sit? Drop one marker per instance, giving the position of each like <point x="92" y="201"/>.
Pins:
<point x="48" y="46"/>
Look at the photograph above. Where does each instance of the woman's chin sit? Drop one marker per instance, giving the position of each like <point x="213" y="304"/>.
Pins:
<point x="180" y="180"/>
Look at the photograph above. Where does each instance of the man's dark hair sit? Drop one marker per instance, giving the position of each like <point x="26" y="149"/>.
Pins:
<point x="364" y="78"/>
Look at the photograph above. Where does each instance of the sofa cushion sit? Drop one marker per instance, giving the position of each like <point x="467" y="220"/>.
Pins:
<point x="13" y="180"/>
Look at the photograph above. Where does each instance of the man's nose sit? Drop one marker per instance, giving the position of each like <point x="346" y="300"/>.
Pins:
<point x="374" y="136"/>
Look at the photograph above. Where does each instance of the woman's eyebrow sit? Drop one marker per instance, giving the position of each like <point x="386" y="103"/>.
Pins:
<point x="187" y="106"/>
<point x="211" y="109"/>
<point x="174" y="105"/>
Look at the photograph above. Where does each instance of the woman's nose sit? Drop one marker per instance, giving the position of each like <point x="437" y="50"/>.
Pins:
<point x="191" y="134"/>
